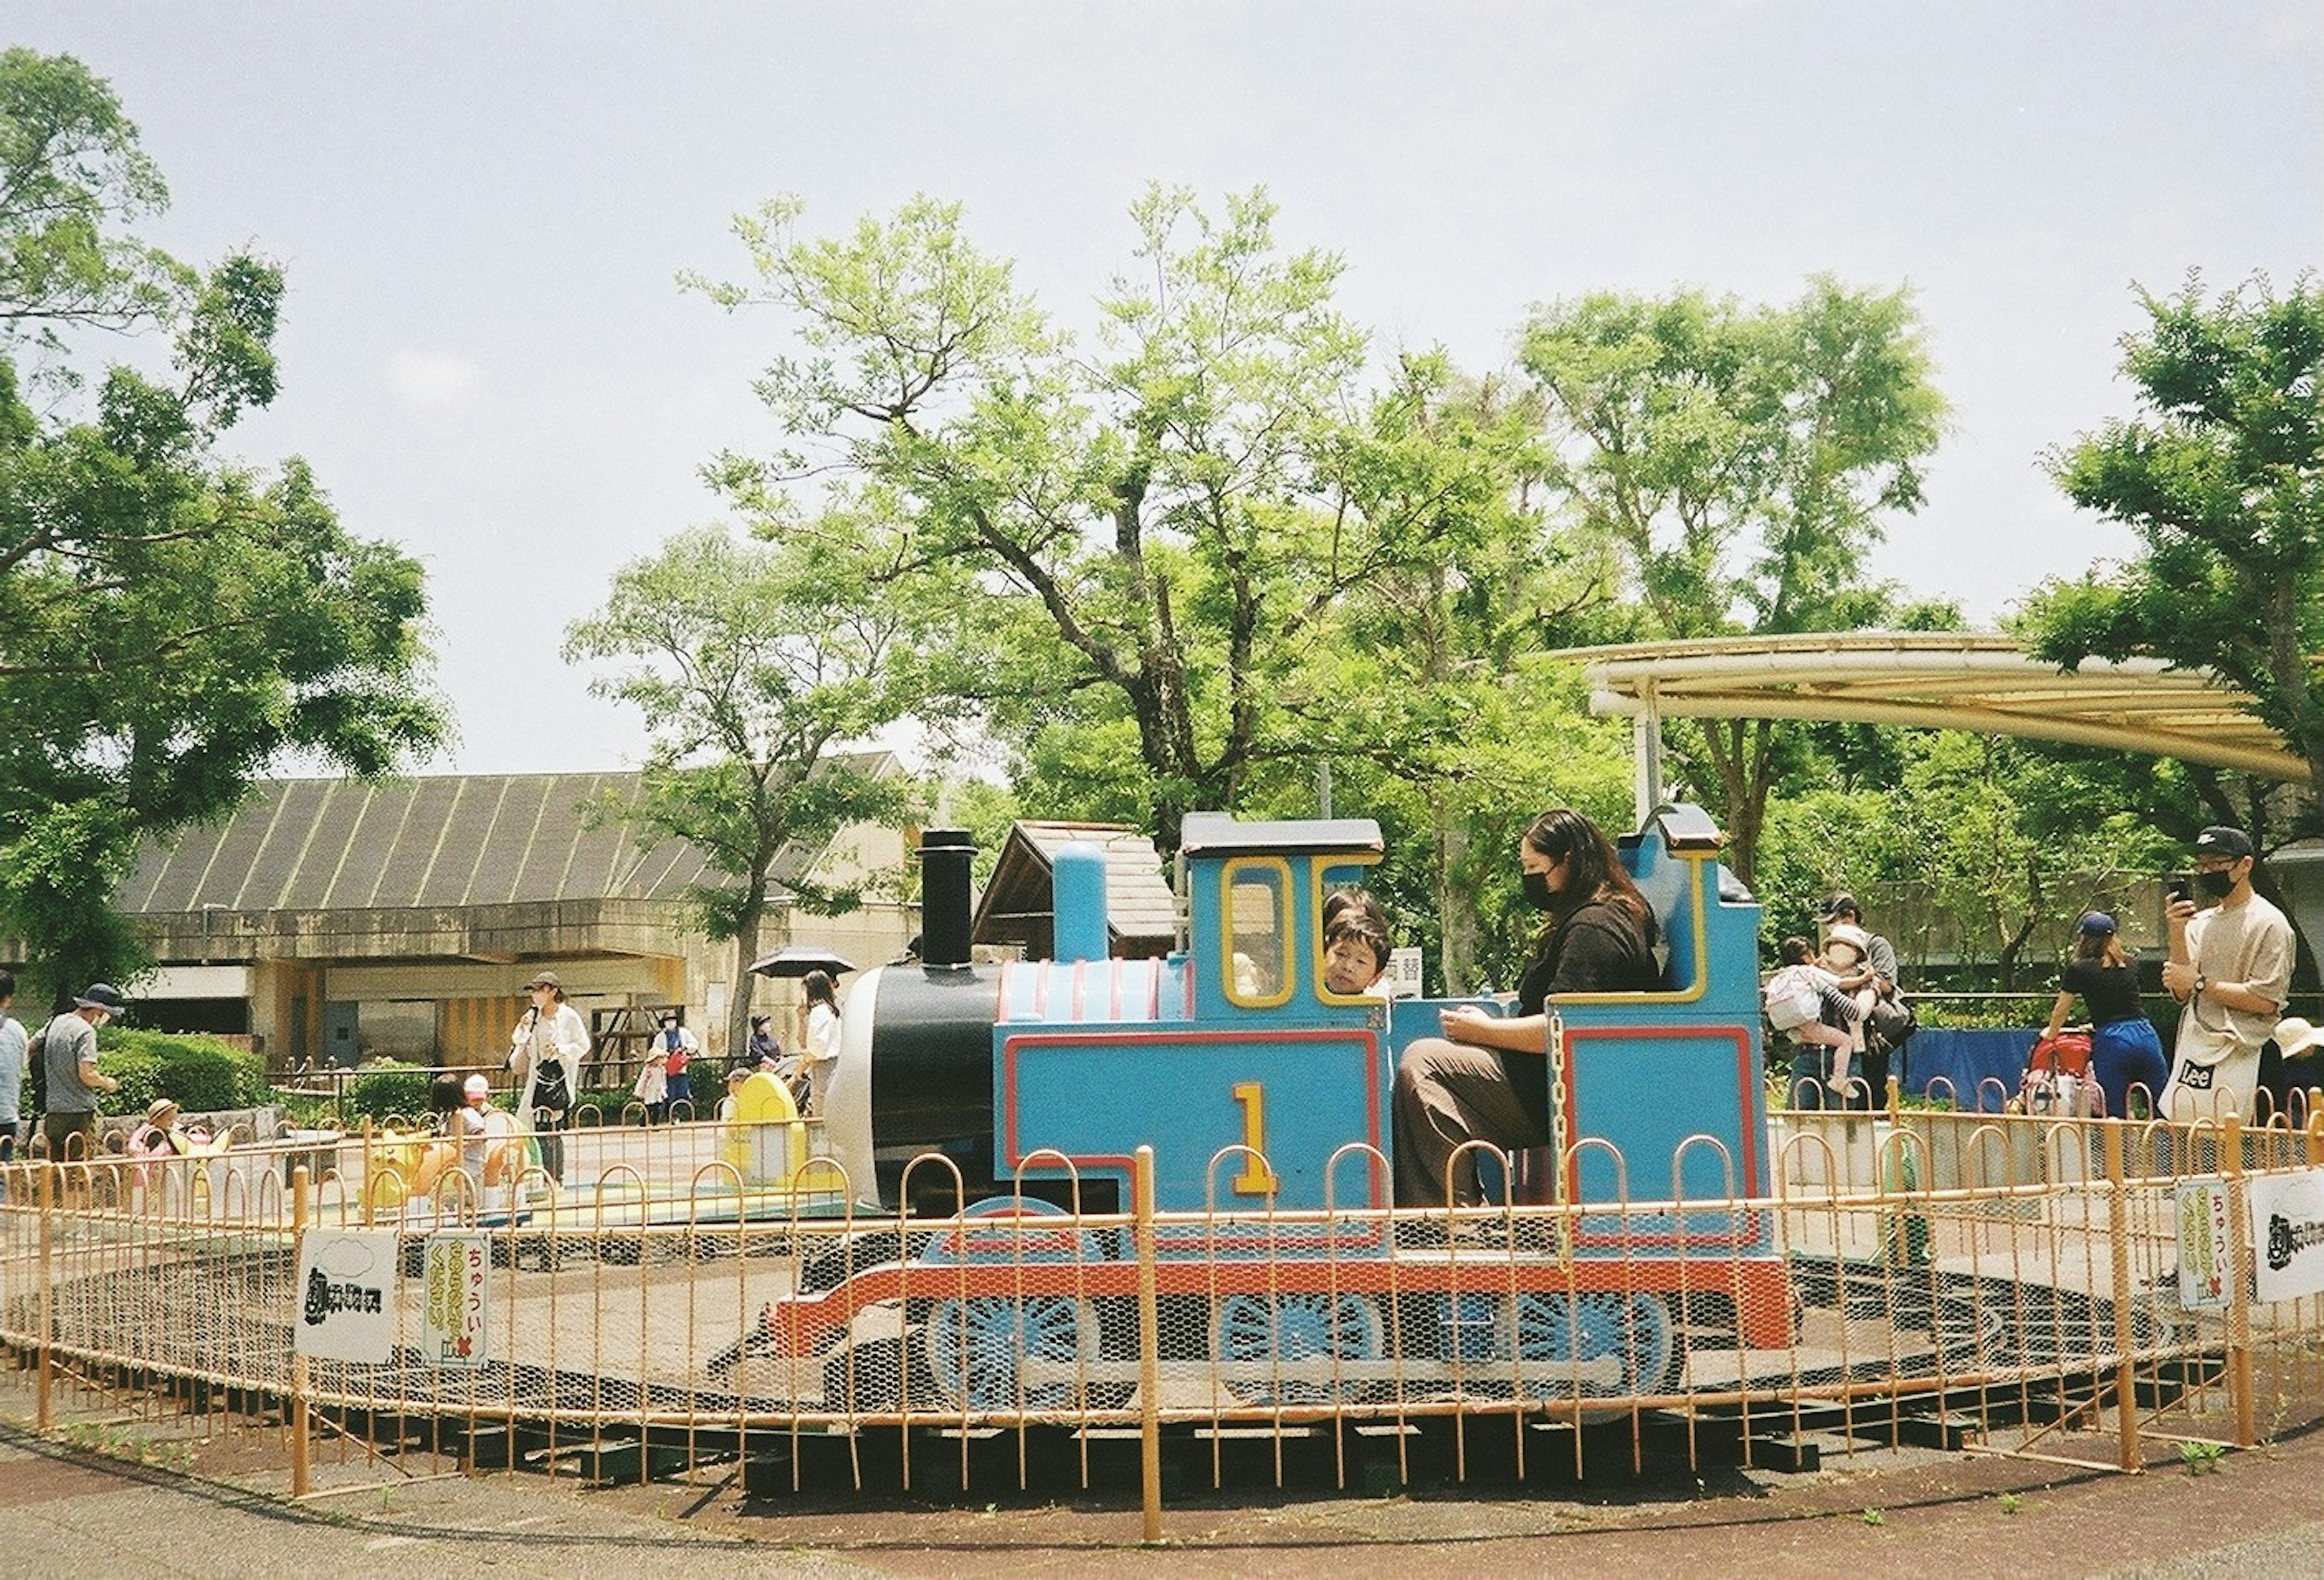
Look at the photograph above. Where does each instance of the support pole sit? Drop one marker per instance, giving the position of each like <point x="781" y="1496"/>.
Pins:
<point x="1646" y="753"/>
<point x="301" y="1472"/>
<point x="1149" y="1345"/>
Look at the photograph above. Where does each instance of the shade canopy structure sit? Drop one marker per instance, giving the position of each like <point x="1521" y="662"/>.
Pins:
<point x="1932" y="681"/>
<point x="796" y="959"/>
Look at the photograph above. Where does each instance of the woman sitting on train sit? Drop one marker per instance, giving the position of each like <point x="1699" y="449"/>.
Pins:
<point x="1487" y="1078"/>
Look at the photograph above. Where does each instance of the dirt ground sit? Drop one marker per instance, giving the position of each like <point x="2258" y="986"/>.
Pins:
<point x="218" y="1504"/>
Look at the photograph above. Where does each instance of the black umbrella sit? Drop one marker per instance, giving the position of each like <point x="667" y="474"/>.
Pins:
<point x="796" y="959"/>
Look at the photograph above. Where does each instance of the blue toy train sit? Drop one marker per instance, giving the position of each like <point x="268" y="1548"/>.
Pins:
<point x="974" y="1105"/>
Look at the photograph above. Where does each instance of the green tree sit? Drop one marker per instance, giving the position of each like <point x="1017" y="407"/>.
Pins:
<point x="1149" y="532"/>
<point x="171" y="625"/>
<point x="754" y="663"/>
<point x="1743" y="460"/>
<point x="70" y="171"/>
<point x="1425" y="691"/>
<point x="2222" y="479"/>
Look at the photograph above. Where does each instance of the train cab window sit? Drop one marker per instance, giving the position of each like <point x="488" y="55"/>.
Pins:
<point x="1257" y="936"/>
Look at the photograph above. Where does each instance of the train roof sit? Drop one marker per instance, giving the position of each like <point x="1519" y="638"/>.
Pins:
<point x="1218" y="833"/>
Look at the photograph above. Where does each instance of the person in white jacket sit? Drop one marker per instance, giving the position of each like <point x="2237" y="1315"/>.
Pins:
<point x="545" y="1053"/>
<point x="821" y="1012"/>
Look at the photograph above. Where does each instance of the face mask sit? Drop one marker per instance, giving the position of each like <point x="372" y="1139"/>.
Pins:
<point x="1537" y="891"/>
<point x="2217" y="885"/>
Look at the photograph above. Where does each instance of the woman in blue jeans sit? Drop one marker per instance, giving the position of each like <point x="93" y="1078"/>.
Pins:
<point x="2124" y="1051"/>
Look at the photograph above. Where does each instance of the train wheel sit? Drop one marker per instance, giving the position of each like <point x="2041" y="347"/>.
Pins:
<point x="1600" y="1345"/>
<point x="1296" y="1330"/>
<point x="977" y="1349"/>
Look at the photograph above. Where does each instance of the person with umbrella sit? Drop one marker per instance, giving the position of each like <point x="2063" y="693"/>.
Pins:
<point x="819" y="1017"/>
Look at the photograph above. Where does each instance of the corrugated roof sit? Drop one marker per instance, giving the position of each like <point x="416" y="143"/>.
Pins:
<point x="438" y="843"/>
<point x="1017" y="905"/>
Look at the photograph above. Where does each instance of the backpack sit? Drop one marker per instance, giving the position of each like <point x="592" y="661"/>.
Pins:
<point x="1791" y="1003"/>
<point x="1891" y="1020"/>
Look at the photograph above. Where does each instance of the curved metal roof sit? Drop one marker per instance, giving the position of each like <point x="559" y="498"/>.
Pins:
<point x="1941" y="680"/>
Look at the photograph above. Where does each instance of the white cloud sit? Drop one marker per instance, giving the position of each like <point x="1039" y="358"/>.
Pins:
<point x="432" y="381"/>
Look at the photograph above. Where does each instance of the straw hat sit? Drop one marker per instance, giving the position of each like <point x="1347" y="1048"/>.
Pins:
<point x="158" y="1107"/>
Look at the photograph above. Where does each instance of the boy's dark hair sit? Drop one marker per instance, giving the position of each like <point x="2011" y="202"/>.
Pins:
<point x="445" y="1095"/>
<point x="1357" y="924"/>
<point x="1794" y="950"/>
<point x="7" y="984"/>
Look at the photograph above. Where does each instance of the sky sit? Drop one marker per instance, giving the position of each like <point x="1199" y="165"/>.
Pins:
<point x="483" y="209"/>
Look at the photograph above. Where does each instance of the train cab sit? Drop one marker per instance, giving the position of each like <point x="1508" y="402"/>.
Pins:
<point x="1256" y="1084"/>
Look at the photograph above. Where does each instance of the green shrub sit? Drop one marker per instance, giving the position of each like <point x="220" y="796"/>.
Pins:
<point x="386" y="1087"/>
<point x="200" y="1074"/>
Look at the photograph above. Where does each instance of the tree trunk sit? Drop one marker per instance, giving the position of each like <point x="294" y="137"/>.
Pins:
<point x="746" y="949"/>
<point x="1456" y="915"/>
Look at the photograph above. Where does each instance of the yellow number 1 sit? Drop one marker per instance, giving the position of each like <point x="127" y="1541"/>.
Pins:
<point x="1256" y="1179"/>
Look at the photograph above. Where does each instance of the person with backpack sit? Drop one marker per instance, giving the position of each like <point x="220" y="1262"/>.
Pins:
<point x="2125" y="1053"/>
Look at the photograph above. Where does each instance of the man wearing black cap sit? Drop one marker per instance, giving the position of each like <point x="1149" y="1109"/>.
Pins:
<point x="2230" y="966"/>
<point x="1878" y="972"/>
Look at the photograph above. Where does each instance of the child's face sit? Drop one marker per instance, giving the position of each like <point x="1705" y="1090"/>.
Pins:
<point x="1350" y="966"/>
<point x="1841" y="957"/>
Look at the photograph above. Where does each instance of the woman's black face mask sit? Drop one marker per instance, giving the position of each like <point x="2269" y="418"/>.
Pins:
<point x="1537" y="891"/>
<point x="2217" y="885"/>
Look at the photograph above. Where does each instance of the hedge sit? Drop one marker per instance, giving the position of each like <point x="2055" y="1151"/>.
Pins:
<point x="200" y="1074"/>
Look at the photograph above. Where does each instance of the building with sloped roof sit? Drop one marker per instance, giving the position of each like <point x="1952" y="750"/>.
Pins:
<point x="340" y="920"/>
<point x="1018" y="906"/>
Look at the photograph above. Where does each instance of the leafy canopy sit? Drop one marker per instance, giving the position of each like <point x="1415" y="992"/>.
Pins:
<point x="171" y="624"/>
<point x="2222" y="479"/>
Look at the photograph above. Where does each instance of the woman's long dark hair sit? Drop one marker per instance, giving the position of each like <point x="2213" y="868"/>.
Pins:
<point x="1594" y="869"/>
<point x="819" y="991"/>
<point x="2103" y="947"/>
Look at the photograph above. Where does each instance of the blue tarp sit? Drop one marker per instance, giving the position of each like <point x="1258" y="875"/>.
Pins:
<point x="1965" y="1058"/>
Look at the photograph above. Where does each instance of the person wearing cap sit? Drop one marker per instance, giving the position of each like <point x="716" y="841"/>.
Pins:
<point x="2126" y="1055"/>
<point x="1874" y="980"/>
<point x="545" y="1054"/>
<point x="68" y="1062"/>
<point x="471" y="1126"/>
<point x="765" y="1051"/>
<point x="2230" y="968"/>
<point x="1847" y="960"/>
<point x="678" y="1046"/>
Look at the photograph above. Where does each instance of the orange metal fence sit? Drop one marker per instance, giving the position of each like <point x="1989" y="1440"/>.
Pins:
<point x="688" y="1293"/>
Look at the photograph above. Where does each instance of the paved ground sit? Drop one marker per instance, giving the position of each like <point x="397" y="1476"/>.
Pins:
<point x="75" y="1512"/>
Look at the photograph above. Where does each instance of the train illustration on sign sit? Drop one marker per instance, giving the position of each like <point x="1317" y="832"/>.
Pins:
<point x="974" y="1106"/>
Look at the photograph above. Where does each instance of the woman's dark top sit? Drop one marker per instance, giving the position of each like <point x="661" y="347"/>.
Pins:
<point x="1600" y="948"/>
<point x="2111" y="991"/>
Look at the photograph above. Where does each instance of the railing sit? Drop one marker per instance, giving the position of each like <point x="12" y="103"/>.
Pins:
<point x="692" y="1293"/>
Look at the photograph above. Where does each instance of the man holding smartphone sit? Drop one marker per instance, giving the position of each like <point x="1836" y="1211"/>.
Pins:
<point x="2230" y="966"/>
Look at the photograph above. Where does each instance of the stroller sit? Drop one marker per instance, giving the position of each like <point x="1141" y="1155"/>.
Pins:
<point x="2057" y="1079"/>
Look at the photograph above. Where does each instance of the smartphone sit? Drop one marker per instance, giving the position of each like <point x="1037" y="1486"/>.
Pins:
<point x="2179" y="886"/>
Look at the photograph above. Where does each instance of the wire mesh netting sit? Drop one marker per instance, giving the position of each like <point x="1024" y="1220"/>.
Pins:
<point x="672" y="1291"/>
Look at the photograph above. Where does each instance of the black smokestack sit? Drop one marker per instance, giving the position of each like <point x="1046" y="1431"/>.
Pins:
<point x="944" y="857"/>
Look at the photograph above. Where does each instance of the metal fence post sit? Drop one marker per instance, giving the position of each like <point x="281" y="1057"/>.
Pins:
<point x="300" y="1470"/>
<point x="47" y="1204"/>
<point x="2239" y="1359"/>
<point x="1149" y="1345"/>
<point x="2125" y="1381"/>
